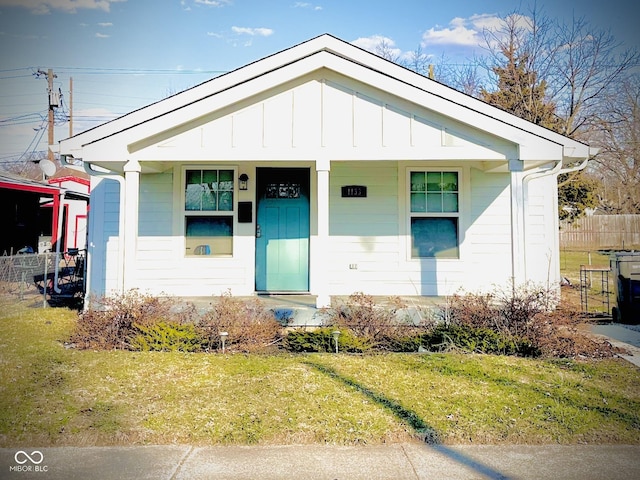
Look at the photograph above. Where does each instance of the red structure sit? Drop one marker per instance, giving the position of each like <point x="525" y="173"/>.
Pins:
<point x="31" y="210"/>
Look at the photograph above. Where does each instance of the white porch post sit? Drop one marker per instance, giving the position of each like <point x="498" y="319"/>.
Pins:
<point x="320" y="251"/>
<point x="130" y="234"/>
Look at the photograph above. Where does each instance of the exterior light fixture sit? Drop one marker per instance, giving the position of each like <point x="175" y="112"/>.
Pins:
<point x="223" y="339"/>
<point x="336" y="334"/>
<point x="243" y="181"/>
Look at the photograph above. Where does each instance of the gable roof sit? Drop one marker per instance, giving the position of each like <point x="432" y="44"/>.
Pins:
<point x="325" y="51"/>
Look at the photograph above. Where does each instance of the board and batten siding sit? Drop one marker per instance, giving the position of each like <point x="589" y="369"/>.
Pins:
<point x="348" y="120"/>
<point x="155" y="256"/>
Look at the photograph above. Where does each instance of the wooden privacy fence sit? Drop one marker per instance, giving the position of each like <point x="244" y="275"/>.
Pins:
<point x="616" y="232"/>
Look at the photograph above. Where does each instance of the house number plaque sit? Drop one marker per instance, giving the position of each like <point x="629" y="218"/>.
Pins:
<point x="354" y="191"/>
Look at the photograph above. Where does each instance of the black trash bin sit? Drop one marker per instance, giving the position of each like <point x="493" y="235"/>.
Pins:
<point x="626" y="271"/>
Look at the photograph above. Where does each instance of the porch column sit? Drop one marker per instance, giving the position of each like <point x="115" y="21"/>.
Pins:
<point x="130" y="234"/>
<point x="320" y="275"/>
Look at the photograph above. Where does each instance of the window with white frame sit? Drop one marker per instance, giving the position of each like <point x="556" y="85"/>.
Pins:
<point x="208" y="211"/>
<point x="435" y="214"/>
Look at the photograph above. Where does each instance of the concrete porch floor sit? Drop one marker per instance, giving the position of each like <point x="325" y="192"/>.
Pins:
<point x="299" y="310"/>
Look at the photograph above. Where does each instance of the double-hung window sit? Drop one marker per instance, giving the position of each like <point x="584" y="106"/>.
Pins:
<point x="435" y="214"/>
<point x="208" y="211"/>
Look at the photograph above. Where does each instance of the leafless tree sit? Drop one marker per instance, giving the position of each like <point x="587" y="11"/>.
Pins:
<point x="618" y="137"/>
<point x="467" y="77"/>
<point x="589" y="66"/>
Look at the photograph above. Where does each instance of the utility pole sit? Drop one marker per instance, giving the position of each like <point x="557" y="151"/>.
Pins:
<point x="54" y="102"/>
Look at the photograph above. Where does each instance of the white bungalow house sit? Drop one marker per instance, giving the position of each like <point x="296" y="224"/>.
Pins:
<point x="321" y="169"/>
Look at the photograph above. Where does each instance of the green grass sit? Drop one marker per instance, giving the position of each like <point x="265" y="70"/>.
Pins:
<point x="51" y="395"/>
<point x="571" y="260"/>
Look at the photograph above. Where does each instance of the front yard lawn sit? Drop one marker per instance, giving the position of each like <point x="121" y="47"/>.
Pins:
<point x="52" y="395"/>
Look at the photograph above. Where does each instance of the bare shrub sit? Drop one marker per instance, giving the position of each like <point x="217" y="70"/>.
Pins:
<point x="527" y="312"/>
<point x="471" y="309"/>
<point x="379" y="325"/>
<point x="558" y="334"/>
<point x="111" y="321"/>
<point x="251" y="327"/>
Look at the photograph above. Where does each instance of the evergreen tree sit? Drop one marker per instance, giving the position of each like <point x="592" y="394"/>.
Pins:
<point x="519" y="90"/>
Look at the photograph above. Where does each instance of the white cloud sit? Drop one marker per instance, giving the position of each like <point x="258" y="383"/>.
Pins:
<point x="307" y="5"/>
<point x="214" y="34"/>
<point x="43" y="7"/>
<point x="260" y="32"/>
<point x="214" y="3"/>
<point x="459" y="33"/>
<point x="105" y="24"/>
<point x="376" y="43"/>
<point x="468" y="32"/>
<point x="102" y="35"/>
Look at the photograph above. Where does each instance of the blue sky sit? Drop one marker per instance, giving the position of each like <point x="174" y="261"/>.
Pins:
<point x="124" y="54"/>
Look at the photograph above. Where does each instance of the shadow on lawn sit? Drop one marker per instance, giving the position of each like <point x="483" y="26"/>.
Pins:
<point x="421" y="429"/>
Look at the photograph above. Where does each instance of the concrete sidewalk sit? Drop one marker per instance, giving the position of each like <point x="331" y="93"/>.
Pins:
<point x="626" y="337"/>
<point x="398" y="461"/>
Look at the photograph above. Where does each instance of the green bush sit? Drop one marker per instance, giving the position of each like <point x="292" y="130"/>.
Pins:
<point x="166" y="337"/>
<point x="406" y="343"/>
<point x="321" y="340"/>
<point x="477" y="340"/>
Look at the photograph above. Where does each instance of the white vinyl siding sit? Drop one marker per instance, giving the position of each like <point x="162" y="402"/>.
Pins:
<point x="104" y="237"/>
<point x="542" y="231"/>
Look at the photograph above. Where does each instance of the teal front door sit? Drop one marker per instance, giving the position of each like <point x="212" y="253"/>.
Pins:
<point x="282" y="230"/>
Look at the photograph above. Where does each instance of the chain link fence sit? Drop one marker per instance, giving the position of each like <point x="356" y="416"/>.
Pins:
<point x="59" y="279"/>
